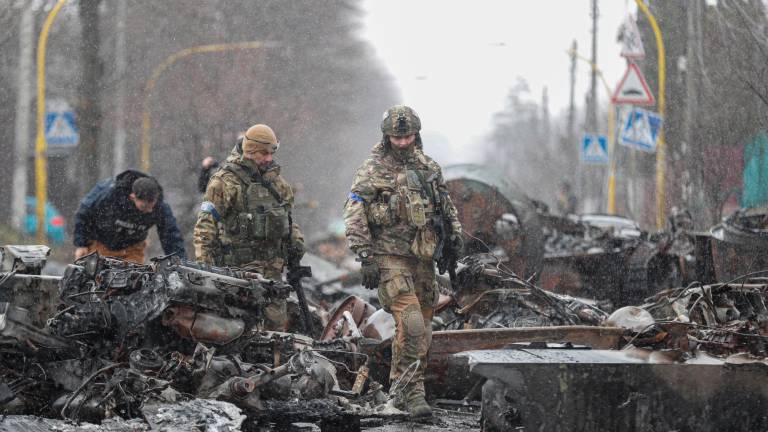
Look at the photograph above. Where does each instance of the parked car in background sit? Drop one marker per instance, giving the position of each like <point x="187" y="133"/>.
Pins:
<point x="622" y="227"/>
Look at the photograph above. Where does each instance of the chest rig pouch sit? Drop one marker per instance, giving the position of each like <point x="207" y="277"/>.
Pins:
<point x="382" y="213"/>
<point x="420" y="208"/>
<point x="415" y="199"/>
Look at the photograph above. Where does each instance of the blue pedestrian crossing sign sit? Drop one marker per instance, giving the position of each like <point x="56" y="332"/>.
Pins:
<point x="640" y="130"/>
<point x="594" y="149"/>
<point x="61" y="129"/>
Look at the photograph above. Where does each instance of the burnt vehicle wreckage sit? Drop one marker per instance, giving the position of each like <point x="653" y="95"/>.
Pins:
<point x="115" y="340"/>
<point x="550" y="323"/>
<point x="126" y="339"/>
<point x="595" y="256"/>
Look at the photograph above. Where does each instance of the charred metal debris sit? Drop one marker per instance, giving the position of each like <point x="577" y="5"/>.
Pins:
<point x="133" y="341"/>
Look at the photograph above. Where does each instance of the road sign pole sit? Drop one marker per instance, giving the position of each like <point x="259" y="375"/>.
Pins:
<point x="611" y="131"/>
<point x="41" y="162"/>
<point x="612" y="154"/>
<point x="661" y="147"/>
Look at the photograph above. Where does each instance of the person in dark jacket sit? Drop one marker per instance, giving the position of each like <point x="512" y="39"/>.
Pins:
<point x="114" y="218"/>
<point x="566" y="200"/>
<point x="208" y="167"/>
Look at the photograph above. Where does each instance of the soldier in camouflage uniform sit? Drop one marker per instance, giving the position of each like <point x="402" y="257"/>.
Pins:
<point x="245" y="220"/>
<point x="388" y="217"/>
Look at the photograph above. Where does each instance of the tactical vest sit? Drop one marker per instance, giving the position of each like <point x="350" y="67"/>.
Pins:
<point x="411" y="203"/>
<point x="258" y="227"/>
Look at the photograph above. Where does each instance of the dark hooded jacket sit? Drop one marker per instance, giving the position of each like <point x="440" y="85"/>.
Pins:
<point x="107" y="215"/>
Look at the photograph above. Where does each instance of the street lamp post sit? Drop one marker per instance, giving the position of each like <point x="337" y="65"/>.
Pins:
<point x="146" y="122"/>
<point x="41" y="146"/>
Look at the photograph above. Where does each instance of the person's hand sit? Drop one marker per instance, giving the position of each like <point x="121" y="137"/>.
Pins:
<point x="80" y="252"/>
<point x="295" y="252"/>
<point x="371" y="273"/>
<point x="207" y="162"/>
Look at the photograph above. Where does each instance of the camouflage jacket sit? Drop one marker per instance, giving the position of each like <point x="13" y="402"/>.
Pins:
<point x="224" y="198"/>
<point x="383" y="212"/>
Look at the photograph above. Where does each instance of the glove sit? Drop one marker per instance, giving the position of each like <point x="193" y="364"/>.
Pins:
<point x="457" y="243"/>
<point x="371" y="273"/>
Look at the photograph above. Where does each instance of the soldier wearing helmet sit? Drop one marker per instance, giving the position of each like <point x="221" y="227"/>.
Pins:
<point x="389" y="216"/>
<point x="245" y="219"/>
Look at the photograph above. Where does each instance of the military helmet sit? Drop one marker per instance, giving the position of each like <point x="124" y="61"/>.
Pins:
<point x="400" y="120"/>
<point x="262" y="137"/>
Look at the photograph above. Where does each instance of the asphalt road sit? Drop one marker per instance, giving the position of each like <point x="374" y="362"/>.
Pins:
<point x="448" y="421"/>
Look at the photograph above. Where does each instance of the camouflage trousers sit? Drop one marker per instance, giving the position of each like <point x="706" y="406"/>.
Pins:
<point x="276" y="312"/>
<point x="409" y="292"/>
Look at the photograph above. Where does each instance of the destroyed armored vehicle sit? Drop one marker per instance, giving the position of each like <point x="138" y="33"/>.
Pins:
<point x="594" y="256"/>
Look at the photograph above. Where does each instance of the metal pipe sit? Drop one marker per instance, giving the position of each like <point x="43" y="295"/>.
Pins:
<point x="12" y="275"/>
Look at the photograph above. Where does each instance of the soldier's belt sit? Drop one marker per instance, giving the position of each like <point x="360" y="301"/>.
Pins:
<point x="243" y="254"/>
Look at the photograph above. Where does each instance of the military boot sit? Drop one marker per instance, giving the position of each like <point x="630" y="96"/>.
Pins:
<point x="418" y="406"/>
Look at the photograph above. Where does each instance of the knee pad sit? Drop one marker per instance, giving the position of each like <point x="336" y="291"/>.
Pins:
<point x="413" y="321"/>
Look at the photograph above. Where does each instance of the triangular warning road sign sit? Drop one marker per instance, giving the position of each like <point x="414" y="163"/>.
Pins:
<point x="633" y="89"/>
<point x="632" y="43"/>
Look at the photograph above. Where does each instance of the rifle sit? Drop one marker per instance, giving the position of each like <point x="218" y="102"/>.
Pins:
<point x="296" y="271"/>
<point x="445" y="256"/>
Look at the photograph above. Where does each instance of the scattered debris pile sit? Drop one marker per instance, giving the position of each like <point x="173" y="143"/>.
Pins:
<point x="722" y="319"/>
<point x="125" y="337"/>
<point x="488" y="295"/>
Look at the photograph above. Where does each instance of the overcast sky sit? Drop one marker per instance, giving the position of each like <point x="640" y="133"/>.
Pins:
<point x="455" y="61"/>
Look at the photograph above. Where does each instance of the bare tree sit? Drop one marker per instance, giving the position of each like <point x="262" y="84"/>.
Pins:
<point x="716" y="95"/>
<point x="521" y="144"/>
<point x="89" y="102"/>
